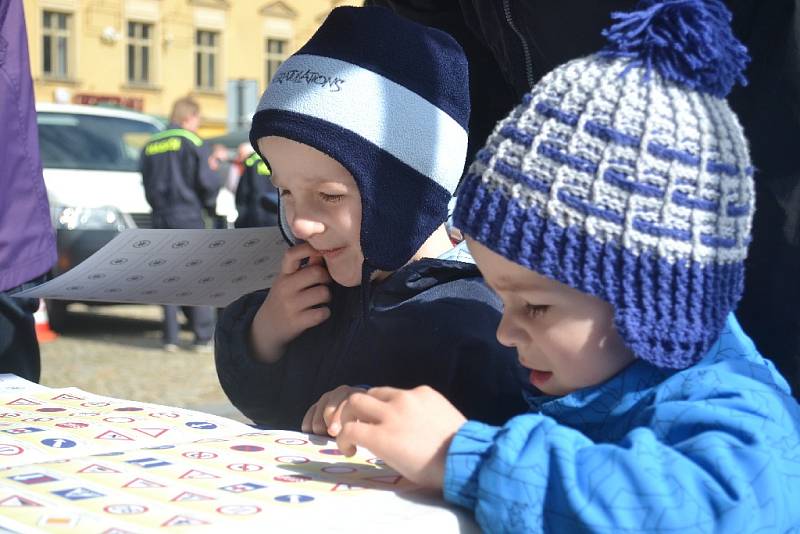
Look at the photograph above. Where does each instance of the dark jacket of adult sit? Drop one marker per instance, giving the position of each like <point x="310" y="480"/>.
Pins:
<point x="431" y="322"/>
<point x="511" y="44"/>
<point x="178" y="182"/>
<point x="256" y="197"/>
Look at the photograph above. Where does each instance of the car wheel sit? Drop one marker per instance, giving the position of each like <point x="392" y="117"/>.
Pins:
<point x="56" y="314"/>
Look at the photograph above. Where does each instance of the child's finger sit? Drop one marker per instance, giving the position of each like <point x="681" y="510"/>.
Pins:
<point x="312" y="317"/>
<point x="334" y="420"/>
<point x="307" y="277"/>
<point x="313" y="296"/>
<point x="353" y="434"/>
<point x="318" y="422"/>
<point x="294" y="257"/>
<point x="305" y="426"/>
<point x="362" y="407"/>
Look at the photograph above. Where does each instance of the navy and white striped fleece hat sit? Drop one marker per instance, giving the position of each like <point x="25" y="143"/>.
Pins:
<point x="389" y="100"/>
<point x="626" y="175"/>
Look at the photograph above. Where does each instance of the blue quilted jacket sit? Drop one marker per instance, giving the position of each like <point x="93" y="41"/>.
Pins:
<point x="711" y="448"/>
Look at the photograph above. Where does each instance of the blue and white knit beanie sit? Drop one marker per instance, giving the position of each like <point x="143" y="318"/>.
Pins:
<point x="388" y="99"/>
<point x="626" y="175"/>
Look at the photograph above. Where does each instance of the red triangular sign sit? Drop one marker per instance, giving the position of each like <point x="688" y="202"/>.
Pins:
<point x="194" y="473"/>
<point x="94" y="468"/>
<point x="183" y="521"/>
<point x="142" y="483"/>
<point x="22" y="402"/>
<point x="65" y="396"/>
<point x="152" y="432"/>
<point x="16" y="500"/>
<point x="189" y="496"/>
<point x="110" y="434"/>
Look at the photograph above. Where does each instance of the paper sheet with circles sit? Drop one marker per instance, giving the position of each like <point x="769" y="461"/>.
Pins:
<point x="183" y="267"/>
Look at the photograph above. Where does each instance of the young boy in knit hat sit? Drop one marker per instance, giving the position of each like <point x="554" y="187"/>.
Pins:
<point x="366" y="140"/>
<point x="611" y="212"/>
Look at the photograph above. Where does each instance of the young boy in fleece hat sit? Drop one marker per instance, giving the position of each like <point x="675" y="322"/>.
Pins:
<point x="611" y="212"/>
<point x="366" y="140"/>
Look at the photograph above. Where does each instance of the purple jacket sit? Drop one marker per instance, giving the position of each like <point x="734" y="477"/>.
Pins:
<point x="27" y="244"/>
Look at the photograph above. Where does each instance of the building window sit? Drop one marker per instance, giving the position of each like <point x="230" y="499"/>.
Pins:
<point x="56" y="44"/>
<point x="140" y="47"/>
<point x="276" y="54"/>
<point x="205" y="59"/>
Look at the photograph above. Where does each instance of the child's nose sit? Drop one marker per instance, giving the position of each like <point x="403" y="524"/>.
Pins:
<point x="304" y="228"/>
<point x="507" y="332"/>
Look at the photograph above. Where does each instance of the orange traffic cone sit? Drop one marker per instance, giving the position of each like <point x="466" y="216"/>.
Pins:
<point x="43" y="332"/>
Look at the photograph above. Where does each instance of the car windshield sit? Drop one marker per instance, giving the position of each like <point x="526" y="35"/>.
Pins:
<point x="93" y="142"/>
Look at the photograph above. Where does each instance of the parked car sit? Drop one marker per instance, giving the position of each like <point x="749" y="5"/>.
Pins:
<point x="90" y="157"/>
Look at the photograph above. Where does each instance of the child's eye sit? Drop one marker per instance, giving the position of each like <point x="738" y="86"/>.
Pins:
<point x="285" y="192"/>
<point x="536" y="310"/>
<point x="330" y="198"/>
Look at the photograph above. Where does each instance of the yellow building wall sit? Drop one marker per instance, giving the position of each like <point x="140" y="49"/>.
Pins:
<point x="98" y="42"/>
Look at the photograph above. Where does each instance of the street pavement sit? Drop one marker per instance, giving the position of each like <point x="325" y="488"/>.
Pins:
<point x="116" y="351"/>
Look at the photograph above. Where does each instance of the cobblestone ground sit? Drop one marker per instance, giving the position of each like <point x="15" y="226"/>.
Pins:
<point x="116" y="351"/>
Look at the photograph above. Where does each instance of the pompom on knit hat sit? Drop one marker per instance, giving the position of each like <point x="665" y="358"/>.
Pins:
<point x="626" y="175"/>
<point x="389" y="100"/>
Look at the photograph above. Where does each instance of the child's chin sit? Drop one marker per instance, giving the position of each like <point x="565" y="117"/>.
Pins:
<point x="346" y="279"/>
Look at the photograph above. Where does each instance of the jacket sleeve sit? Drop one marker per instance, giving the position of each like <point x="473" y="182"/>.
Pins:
<point x="678" y="474"/>
<point x="253" y="387"/>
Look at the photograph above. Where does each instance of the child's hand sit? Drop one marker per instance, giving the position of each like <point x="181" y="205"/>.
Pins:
<point x="324" y="415"/>
<point x="410" y="430"/>
<point x="294" y="303"/>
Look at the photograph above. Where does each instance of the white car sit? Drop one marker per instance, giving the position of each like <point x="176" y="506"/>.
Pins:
<point x="90" y="157"/>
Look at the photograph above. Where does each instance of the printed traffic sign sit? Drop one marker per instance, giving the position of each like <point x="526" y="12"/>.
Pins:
<point x="71" y="424"/>
<point x="23" y="430"/>
<point x="18" y="500"/>
<point x="245" y="467"/>
<point x="66" y="396"/>
<point x="59" y="443"/>
<point x="190" y="496"/>
<point x="194" y="473"/>
<point x="294" y="499"/>
<point x="148" y="462"/>
<point x="152" y="432"/>
<point x="95" y="468"/>
<point x="247" y="448"/>
<point x="110" y="434"/>
<point x="339" y="469"/>
<point x="243" y="487"/>
<point x="199" y="455"/>
<point x="77" y="494"/>
<point x="183" y="521"/>
<point x="23" y="402"/>
<point x="125" y="509"/>
<point x="33" y="478"/>
<point x="239" y="509"/>
<point x="142" y="483"/>
<point x="291" y="441"/>
<point x="292" y="459"/>
<point x="203" y="425"/>
<point x="292" y="478"/>
<point x="9" y="450"/>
